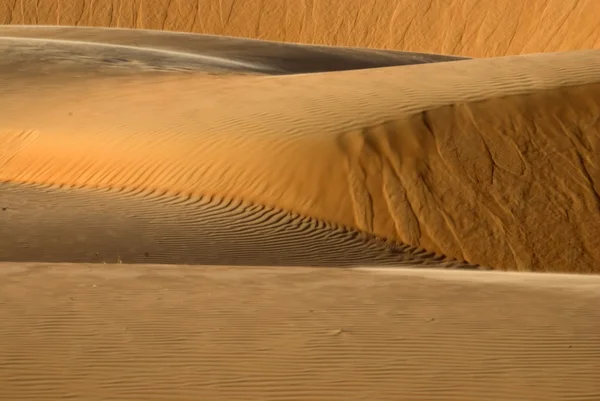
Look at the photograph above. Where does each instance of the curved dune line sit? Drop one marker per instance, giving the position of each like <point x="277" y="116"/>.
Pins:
<point x="78" y="224"/>
<point x="157" y="49"/>
<point x="66" y="57"/>
<point x="467" y="27"/>
<point x="490" y="161"/>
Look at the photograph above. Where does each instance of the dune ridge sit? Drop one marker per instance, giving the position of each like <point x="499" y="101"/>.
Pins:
<point x="279" y="58"/>
<point x="471" y="28"/>
<point x="457" y="158"/>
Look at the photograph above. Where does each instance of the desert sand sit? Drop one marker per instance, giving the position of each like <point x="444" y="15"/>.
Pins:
<point x="472" y="28"/>
<point x="162" y="195"/>
<point x="489" y="161"/>
<point x="143" y="332"/>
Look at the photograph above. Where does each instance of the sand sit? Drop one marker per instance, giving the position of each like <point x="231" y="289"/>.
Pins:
<point x="122" y="332"/>
<point x="488" y="161"/>
<point x="471" y="28"/>
<point x="236" y="163"/>
<point x="204" y="51"/>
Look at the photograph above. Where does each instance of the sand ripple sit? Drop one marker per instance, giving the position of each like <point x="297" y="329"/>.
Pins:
<point x="128" y="333"/>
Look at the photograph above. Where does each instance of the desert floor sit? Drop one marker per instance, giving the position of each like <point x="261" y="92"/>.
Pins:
<point x="162" y="194"/>
<point x="132" y="332"/>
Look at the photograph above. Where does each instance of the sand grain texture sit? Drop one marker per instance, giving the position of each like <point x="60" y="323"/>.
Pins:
<point x="471" y="28"/>
<point x="119" y="332"/>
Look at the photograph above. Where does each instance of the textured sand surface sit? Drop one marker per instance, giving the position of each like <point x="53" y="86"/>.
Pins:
<point x="492" y="161"/>
<point x="121" y="332"/>
<point x="202" y="51"/>
<point x="153" y="147"/>
<point x="140" y="225"/>
<point x="466" y="27"/>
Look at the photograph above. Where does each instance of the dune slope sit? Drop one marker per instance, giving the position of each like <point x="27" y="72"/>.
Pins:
<point x="492" y="161"/>
<point x="50" y="224"/>
<point x="193" y="51"/>
<point x="119" y="226"/>
<point x="471" y="28"/>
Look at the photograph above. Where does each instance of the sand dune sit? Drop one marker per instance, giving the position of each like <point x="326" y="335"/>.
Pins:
<point x="137" y="147"/>
<point x="101" y="332"/>
<point x="492" y="161"/>
<point x="465" y="27"/>
<point x="78" y="225"/>
<point x="110" y="226"/>
<point x="193" y="52"/>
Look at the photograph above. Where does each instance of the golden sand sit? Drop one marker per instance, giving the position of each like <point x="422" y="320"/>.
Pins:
<point x="142" y="148"/>
<point x="472" y="28"/>
<point x="492" y="161"/>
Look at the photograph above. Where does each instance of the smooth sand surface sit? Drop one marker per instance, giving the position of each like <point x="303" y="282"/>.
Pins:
<point x="144" y="332"/>
<point x="491" y="161"/>
<point x="472" y="28"/>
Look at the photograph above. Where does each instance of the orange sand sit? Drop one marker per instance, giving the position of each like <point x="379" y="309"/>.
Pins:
<point x="473" y="28"/>
<point x="139" y="147"/>
<point x="492" y="161"/>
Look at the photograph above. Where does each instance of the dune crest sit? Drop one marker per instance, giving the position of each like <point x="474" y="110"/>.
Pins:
<point x="191" y="51"/>
<point x="471" y="28"/>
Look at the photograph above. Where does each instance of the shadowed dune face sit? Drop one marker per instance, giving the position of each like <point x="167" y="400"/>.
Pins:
<point x="471" y="28"/>
<point x="489" y="161"/>
<point x="38" y="57"/>
<point x="79" y="225"/>
<point x="164" y="51"/>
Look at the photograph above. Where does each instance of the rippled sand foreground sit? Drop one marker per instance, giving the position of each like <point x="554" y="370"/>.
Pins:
<point x="131" y="332"/>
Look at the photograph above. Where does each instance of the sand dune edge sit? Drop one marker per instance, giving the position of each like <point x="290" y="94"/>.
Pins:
<point x="194" y="52"/>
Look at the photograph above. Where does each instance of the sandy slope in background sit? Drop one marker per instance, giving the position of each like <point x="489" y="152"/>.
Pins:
<point x="492" y="161"/>
<point x="465" y="27"/>
<point x="101" y="332"/>
<point x="233" y="54"/>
